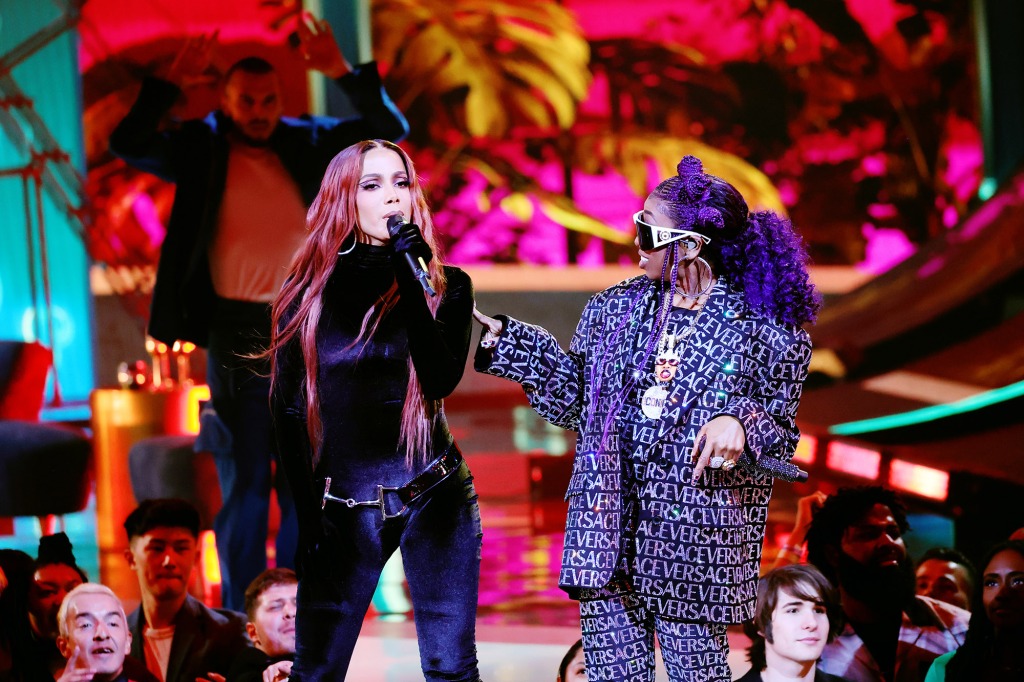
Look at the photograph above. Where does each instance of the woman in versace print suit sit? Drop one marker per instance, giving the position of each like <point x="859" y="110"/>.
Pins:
<point x="672" y="379"/>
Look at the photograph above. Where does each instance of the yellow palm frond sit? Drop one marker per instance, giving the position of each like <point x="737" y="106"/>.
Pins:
<point x="491" y="64"/>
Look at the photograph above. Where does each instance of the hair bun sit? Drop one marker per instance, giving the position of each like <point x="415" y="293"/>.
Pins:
<point x="55" y="549"/>
<point x="709" y="216"/>
<point x="689" y="166"/>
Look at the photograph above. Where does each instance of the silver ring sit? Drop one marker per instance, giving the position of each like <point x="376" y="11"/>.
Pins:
<point x="728" y="465"/>
<point x="716" y="462"/>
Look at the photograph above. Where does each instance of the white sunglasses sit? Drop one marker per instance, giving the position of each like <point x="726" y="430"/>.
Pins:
<point x="654" y="237"/>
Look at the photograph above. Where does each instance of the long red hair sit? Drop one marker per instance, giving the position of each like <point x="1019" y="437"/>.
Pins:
<point x="332" y="219"/>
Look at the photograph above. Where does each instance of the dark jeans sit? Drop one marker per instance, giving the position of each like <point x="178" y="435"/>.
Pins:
<point x="440" y="538"/>
<point x="240" y="392"/>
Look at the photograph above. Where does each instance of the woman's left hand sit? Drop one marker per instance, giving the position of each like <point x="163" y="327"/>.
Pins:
<point x="408" y="239"/>
<point x="724" y="437"/>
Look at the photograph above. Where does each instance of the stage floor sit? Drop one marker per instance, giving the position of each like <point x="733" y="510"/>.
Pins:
<point x="386" y="652"/>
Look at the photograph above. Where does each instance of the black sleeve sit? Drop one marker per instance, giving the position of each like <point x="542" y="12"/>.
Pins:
<point x="137" y="138"/>
<point x="440" y="346"/>
<point x="248" y="666"/>
<point x="378" y="116"/>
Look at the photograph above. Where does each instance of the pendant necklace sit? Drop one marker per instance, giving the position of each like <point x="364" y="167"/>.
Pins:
<point x="666" y="364"/>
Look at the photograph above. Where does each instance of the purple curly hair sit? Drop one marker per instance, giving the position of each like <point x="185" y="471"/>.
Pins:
<point x="760" y="253"/>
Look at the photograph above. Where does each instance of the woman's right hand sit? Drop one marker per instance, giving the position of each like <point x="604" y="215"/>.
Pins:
<point x="493" y="328"/>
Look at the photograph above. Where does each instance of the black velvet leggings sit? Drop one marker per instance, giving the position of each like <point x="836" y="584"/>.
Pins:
<point x="440" y="538"/>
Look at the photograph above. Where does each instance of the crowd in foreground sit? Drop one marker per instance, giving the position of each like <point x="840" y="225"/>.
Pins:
<point x="858" y="609"/>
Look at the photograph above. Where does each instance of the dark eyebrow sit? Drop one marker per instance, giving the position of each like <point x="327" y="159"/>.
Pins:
<point x="378" y="175"/>
<point x="795" y="602"/>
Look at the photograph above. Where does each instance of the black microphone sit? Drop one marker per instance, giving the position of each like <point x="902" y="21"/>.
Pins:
<point x="419" y="270"/>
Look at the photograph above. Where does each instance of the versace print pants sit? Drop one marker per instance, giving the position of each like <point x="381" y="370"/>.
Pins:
<point x="618" y="642"/>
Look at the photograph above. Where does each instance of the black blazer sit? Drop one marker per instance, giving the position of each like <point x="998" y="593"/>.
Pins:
<point x="205" y="640"/>
<point x="194" y="156"/>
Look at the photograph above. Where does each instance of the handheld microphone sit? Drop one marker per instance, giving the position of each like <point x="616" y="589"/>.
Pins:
<point x="419" y="270"/>
<point x="787" y="471"/>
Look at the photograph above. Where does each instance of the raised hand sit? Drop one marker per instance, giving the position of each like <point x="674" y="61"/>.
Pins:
<point x="318" y="47"/>
<point x="189" y="66"/>
<point x="77" y="668"/>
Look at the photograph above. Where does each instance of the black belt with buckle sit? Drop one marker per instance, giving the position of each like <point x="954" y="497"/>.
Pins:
<point x="436" y="471"/>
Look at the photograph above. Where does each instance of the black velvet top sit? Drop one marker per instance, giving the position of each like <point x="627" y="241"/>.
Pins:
<point x="362" y="386"/>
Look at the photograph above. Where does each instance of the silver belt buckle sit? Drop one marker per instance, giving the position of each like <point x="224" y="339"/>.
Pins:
<point x="327" y="494"/>
<point x="381" y="491"/>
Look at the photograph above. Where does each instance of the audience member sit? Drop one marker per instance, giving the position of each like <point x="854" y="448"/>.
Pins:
<point x="572" y="668"/>
<point x="94" y="638"/>
<point x="177" y="636"/>
<point x="856" y="540"/>
<point x="245" y="176"/>
<point x="56" y="574"/>
<point x="797" y="613"/>
<point x="16" y="569"/>
<point x="945" y="574"/>
<point x="270" y="606"/>
<point x="994" y="649"/>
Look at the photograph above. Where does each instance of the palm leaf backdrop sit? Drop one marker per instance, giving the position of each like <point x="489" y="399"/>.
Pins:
<point x="486" y="65"/>
<point x="488" y="85"/>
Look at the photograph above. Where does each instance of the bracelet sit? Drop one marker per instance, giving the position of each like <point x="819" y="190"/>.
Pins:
<point x="791" y="549"/>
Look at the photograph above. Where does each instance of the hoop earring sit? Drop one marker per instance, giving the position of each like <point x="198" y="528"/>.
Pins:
<point x="711" y="273"/>
<point x="351" y="248"/>
<point x="711" y="281"/>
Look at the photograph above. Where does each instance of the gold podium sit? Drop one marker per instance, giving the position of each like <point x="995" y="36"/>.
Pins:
<point x="121" y="418"/>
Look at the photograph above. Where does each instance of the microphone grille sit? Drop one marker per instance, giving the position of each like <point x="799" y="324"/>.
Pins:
<point x="394" y="222"/>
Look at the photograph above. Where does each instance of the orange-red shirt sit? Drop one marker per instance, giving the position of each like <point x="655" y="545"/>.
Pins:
<point x="260" y="226"/>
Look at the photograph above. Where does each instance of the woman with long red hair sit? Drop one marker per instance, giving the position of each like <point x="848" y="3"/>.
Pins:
<point x="363" y="353"/>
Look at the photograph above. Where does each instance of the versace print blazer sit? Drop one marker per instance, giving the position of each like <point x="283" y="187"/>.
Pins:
<point x="697" y="547"/>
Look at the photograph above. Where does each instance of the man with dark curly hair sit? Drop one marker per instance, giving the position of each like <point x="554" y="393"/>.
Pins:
<point x="892" y="635"/>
